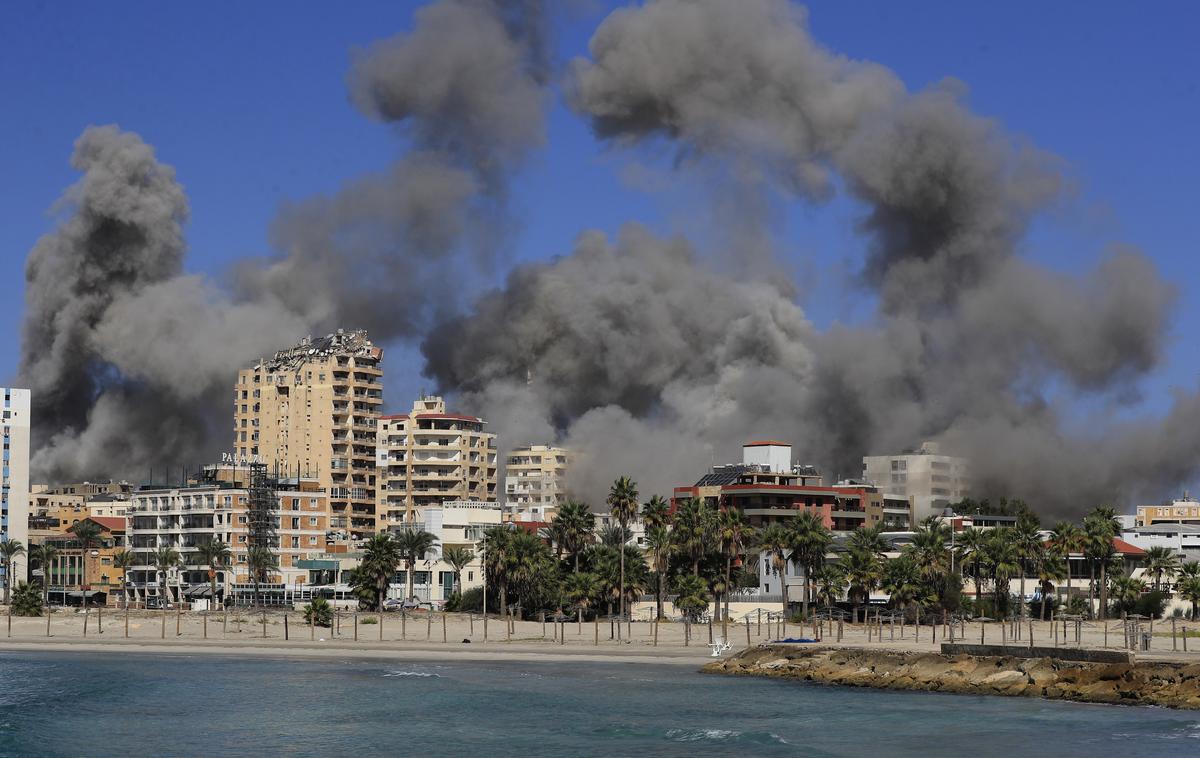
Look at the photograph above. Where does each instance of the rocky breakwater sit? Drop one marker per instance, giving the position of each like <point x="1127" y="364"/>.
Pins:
<point x="1173" y="685"/>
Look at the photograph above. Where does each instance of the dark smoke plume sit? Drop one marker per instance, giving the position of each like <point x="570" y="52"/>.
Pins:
<point x="966" y="336"/>
<point x="130" y="361"/>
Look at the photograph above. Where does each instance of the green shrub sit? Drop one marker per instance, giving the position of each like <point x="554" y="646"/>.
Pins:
<point x="369" y="620"/>
<point x="27" y="600"/>
<point x="319" y="612"/>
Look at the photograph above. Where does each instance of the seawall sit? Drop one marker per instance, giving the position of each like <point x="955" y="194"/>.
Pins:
<point x="1172" y="685"/>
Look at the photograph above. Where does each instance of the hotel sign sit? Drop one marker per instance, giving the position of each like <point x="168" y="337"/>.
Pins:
<point x="233" y="459"/>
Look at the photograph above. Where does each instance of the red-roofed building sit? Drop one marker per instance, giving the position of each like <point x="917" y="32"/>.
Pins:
<point x="429" y="457"/>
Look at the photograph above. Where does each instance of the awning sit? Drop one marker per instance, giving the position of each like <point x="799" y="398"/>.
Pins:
<point x="318" y="564"/>
<point x="202" y="591"/>
<point x="79" y="593"/>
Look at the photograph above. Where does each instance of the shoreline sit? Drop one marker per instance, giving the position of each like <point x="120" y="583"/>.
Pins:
<point x="505" y="652"/>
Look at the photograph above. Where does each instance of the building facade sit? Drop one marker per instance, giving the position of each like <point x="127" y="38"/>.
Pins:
<point x="455" y="523"/>
<point x="185" y="517"/>
<point x="75" y="574"/>
<point x="535" y="482"/>
<point x="932" y="480"/>
<point x="430" y="457"/>
<point x="14" y="475"/>
<point x="311" y="411"/>
<point x="1184" y="510"/>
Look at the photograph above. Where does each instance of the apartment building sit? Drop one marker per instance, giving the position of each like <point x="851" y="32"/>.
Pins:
<point x="14" y="475"/>
<point x="931" y="479"/>
<point x="535" y="482"/>
<point x="74" y="574"/>
<point x="430" y="457"/>
<point x="311" y="411"/>
<point x="184" y="517"/>
<point x="54" y="509"/>
<point x="1183" y="510"/>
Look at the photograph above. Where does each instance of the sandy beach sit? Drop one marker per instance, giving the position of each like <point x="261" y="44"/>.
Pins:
<point x="460" y="636"/>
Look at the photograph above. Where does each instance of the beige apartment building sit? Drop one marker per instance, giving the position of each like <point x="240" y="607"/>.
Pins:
<point x="430" y="457"/>
<point x="535" y="482"/>
<point x="1184" y="510"/>
<point x="311" y="411"/>
<point x="929" y="478"/>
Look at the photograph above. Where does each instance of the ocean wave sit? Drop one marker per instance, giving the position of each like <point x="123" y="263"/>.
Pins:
<point x="421" y="674"/>
<point x="698" y="735"/>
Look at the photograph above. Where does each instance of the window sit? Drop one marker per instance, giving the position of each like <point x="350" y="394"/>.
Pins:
<point x="312" y="520"/>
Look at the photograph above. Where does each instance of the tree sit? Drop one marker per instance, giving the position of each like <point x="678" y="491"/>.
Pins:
<point x="165" y="559"/>
<point x="381" y="558"/>
<point x="656" y="512"/>
<point x="614" y="535"/>
<point x="124" y="560"/>
<point x="1126" y="590"/>
<point x="863" y="571"/>
<point x="830" y="583"/>
<point x="1027" y="541"/>
<point x="928" y="550"/>
<point x="496" y="544"/>
<point x="213" y="553"/>
<point x="810" y="541"/>
<point x="412" y="547"/>
<point x="1161" y="561"/>
<point x="45" y="555"/>
<point x="1100" y="527"/>
<point x="1050" y="570"/>
<point x="776" y="542"/>
<point x="972" y="550"/>
<point x="904" y="582"/>
<point x="1003" y="562"/>
<point x="691" y="596"/>
<point x="458" y="558"/>
<point x="319" y="612"/>
<point x="26" y="600"/>
<point x="868" y="539"/>
<point x="9" y="550"/>
<point x="259" y="562"/>
<point x="658" y="549"/>
<point x="1067" y="538"/>
<point x="1189" y="589"/>
<point x="735" y="534"/>
<point x="578" y="525"/>
<point x="692" y="530"/>
<point x="87" y="533"/>
<point x="623" y="505"/>
<point x="582" y="589"/>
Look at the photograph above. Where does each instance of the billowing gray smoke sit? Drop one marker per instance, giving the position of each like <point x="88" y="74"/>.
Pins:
<point x="645" y="363"/>
<point x="130" y="361"/>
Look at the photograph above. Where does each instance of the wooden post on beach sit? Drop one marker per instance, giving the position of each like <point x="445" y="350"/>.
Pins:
<point x="126" y="619"/>
<point x="747" y="633"/>
<point x="1031" y="634"/>
<point x="163" y="635"/>
<point x="286" y="633"/>
<point x="596" y="629"/>
<point x="1003" y="634"/>
<point x="224" y="623"/>
<point x="10" y="619"/>
<point x="1174" y="642"/>
<point x="1105" y="634"/>
<point x="264" y="623"/>
<point x="99" y="619"/>
<point x="178" y="619"/>
<point x="1185" y="639"/>
<point x="443" y="625"/>
<point x="49" y="613"/>
<point x="403" y="624"/>
<point x="544" y="625"/>
<point x="312" y="627"/>
<point x="356" y="626"/>
<point x="982" y="627"/>
<point x="205" y="614"/>
<point x="933" y="629"/>
<point x="1054" y="627"/>
<point x="903" y="619"/>
<point x="917" y="628"/>
<point x="429" y="624"/>
<point x="760" y="622"/>
<point x="710" y="630"/>
<point x="238" y="618"/>
<point x="337" y="622"/>
<point x="687" y="633"/>
<point x="402" y="616"/>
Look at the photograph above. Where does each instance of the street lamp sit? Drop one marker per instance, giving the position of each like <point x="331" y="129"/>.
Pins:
<point x="948" y="513"/>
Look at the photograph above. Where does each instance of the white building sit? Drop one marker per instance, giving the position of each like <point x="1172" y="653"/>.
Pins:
<point x="932" y="480"/>
<point x="775" y="457"/>
<point x="455" y="523"/>
<point x="535" y="482"/>
<point x="14" y="482"/>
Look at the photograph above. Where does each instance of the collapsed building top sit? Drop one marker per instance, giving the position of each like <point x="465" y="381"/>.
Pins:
<point x="354" y="344"/>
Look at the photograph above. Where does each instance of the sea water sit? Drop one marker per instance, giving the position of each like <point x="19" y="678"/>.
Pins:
<point x="159" y="704"/>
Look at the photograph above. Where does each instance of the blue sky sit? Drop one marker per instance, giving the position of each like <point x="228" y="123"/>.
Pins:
<point x="248" y="102"/>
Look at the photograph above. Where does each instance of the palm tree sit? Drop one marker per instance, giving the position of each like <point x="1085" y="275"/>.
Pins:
<point x="1100" y="526"/>
<point x="863" y="571"/>
<point x="928" y="550"/>
<point x="458" y="558"/>
<point x="1159" y="561"/>
<point x="1189" y="589"/>
<point x="658" y="548"/>
<point x="810" y="543"/>
<point x="776" y="542"/>
<point x="582" y="588"/>
<point x="655" y="512"/>
<point x="259" y="561"/>
<point x="124" y="560"/>
<point x="26" y="600"/>
<point x="904" y="583"/>
<point x="1050" y="570"/>
<point x="381" y="558"/>
<point x="87" y="533"/>
<point x="1027" y="540"/>
<point x="623" y="505"/>
<point x="413" y="546"/>
<point x="691" y="595"/>
<point x="1067" y="538"/>
<point x="830" y="583"/>
<point x="614" y="535"/>
<point x="165" y="559"/>
<point x="577" y="523"/>
<point x="868" y="539"/>
<point x="1127" y="590"/>
<point x="1003" y="561"/>
<point x="692" y="530"/>
<point x="496" y="545"/>
<point x="45" y="555"/>
<point x="734" y="534"/>
<point x="213" y="553"/>
<point x="9" y="550"/>
<point x="972" y="549"/>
